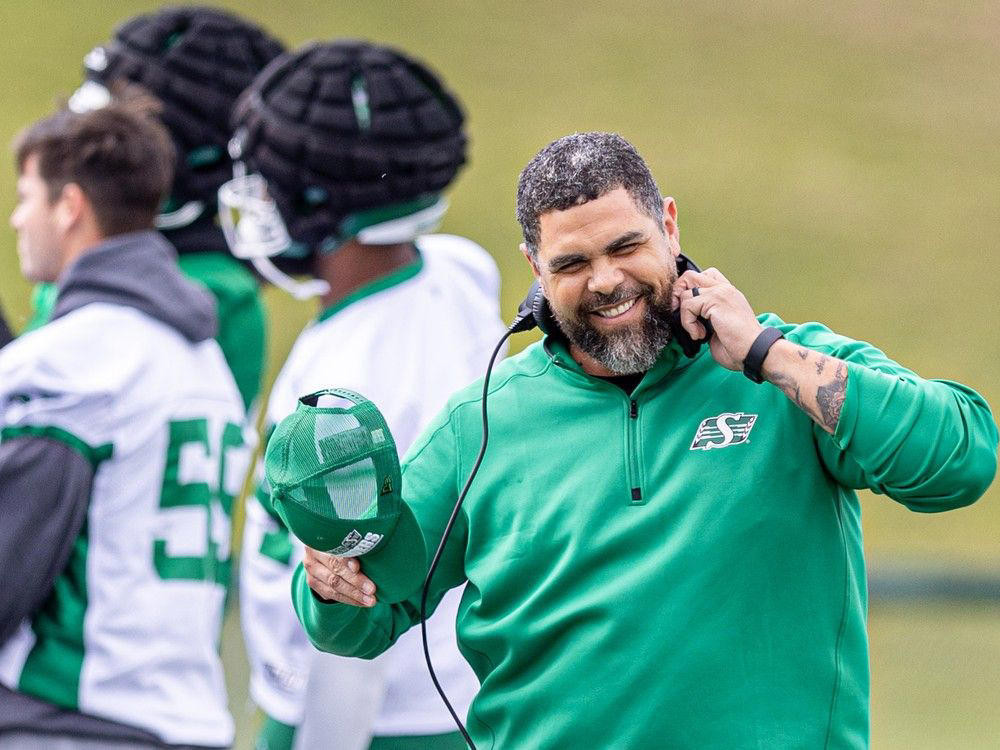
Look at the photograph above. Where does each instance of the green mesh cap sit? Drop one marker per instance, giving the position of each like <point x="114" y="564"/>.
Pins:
<point x="335" y="481"/>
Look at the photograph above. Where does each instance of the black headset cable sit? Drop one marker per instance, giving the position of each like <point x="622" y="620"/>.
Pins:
<point x="524" y="322"/>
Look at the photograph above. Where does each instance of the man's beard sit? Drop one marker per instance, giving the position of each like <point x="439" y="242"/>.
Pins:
<point x="629" y="349"/>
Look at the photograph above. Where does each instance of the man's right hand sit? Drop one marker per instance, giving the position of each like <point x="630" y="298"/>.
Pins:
<point x="338" y="579"/>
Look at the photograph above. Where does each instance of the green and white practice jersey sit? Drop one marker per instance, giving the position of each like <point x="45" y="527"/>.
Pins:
<point x="130" y="631"/>
<point x="406" y="341"/>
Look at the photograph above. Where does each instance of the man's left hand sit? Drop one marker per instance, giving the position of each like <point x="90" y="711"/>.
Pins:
<point x="725" y="307"/>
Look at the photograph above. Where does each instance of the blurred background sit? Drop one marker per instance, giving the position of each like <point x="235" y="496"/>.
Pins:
<point x="837" y="161"/>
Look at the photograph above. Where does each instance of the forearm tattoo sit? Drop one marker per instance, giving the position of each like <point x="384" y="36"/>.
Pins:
<point x="825" y="405"/>
<point x="830" y="396"/>
<point x="793" y="390"/>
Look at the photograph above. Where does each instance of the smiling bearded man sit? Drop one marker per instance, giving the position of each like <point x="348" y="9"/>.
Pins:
<point x="673" y="557"/>
<point x="613" y="304"/>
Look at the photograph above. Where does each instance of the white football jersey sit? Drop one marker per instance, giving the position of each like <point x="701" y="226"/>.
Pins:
<point x="131" y="630"/>
<point x="406" y="342"/>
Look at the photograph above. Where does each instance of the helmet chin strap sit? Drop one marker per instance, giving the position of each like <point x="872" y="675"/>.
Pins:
<point x="255" y="232"/>
<point x="300" y="290"/>
<point x="183" y="216"/>
<point x="253" y="227"/>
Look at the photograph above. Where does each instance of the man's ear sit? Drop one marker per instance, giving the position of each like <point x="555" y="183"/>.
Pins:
<point x="670" y="227"/>
<point x="531" y="260"/>
<point x="70" y="207"/>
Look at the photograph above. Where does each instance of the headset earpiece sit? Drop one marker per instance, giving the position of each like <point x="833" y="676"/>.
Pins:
<point x="541" y="312"/>
<point x="688" y="345"/>
<point x="533" y="312"/>
<point x="684" y="263"/>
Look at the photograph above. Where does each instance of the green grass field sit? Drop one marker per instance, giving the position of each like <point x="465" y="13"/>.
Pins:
<point x="837" y="161"/>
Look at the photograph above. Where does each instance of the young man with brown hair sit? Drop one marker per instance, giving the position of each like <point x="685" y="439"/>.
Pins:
<point x="196" y="61"/>
<point x="120" y="452"/>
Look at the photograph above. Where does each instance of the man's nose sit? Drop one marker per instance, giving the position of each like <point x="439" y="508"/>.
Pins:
<point x="605" y="276"/>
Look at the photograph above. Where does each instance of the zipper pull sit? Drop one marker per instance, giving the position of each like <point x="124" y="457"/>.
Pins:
<point x="633" y="409"/>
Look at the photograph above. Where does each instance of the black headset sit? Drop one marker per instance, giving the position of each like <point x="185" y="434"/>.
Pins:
<point x="533" y="312"/>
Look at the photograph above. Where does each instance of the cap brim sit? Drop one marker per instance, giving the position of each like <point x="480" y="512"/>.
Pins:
<point x="398" y="565"/>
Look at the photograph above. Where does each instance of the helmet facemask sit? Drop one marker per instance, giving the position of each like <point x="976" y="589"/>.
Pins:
<point x="345" y="141"/>
<point x="253" y="226"/>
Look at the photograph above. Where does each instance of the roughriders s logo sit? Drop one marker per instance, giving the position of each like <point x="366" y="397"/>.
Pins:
<point x="725" y="429"/>
<point x="354" y="544"/>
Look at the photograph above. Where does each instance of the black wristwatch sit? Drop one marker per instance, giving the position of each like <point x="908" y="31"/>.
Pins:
<point x="758" y="350"/>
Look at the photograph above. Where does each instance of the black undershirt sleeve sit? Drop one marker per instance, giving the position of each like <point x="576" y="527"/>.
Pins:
<point x="45" y="488"/>
<point x="44" y="495"/>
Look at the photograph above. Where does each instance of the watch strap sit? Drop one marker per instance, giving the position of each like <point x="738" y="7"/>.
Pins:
<point x="758" y="351"/>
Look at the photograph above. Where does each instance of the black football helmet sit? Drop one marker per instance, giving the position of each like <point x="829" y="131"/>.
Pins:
<point x="337" y="141"/>
<point x="196" y="61"/>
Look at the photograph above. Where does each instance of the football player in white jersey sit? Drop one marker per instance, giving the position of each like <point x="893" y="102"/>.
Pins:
<point x="347" y="147"/>
<point x="120" y="454"/>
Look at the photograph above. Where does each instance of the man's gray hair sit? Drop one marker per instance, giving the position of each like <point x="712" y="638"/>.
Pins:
<point x="576" y="169"/>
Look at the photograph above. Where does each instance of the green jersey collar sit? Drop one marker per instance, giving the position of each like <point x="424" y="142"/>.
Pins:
<point x="404" y="273"/>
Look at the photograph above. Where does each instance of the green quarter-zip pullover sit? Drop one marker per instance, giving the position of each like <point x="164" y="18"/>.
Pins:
<point x="676" y="568"/>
